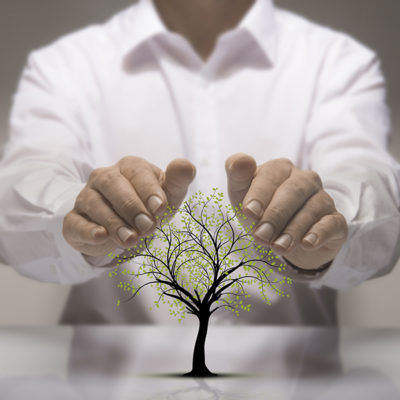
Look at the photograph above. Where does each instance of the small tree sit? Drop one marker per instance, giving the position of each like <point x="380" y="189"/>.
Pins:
<point x="202" y="266"/>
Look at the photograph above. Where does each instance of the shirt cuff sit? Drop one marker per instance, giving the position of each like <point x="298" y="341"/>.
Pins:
<point x="296" y="276"/>
<point x="310" y="273"/>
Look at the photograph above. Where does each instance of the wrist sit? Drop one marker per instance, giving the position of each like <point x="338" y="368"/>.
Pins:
<point x="314" y="272"/>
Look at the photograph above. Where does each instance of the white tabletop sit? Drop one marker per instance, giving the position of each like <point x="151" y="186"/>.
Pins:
<point x="146" y="362"/>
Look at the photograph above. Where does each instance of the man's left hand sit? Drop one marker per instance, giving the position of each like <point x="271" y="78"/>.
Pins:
<point x="291" y="211"/>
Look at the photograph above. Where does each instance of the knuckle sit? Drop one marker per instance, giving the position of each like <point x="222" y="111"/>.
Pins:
<point x="87" y="201"/>
<point x="320" y="204"/>
<point x="136" y="173"/>
<point x="284" y="165"/>
<point x="313" y="178"/>
<point x="285" y="161"/>
<point x="132" y="166"/>
<point x="95" y="174"/>
<point x="81" y="199"/>
<point x="277" y="216"/>
<point x="128" y="161"/>
<point x="326" y="201"/>
<point x="112" y="223"/>
<point x="100" y="173"/>
<point x="107" y="178"/>
<point x="130" y="205"/>
<point x="341" y="222"/>
<point x="67" y="222"/>
<point x="298" y="189"/>
<point x="314" y="211"/>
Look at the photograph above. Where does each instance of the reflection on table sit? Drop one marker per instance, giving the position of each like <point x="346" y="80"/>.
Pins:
<point x="146" y="362"/>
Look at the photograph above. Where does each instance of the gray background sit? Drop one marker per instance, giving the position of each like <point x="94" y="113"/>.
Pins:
<point x="28" y="24"/>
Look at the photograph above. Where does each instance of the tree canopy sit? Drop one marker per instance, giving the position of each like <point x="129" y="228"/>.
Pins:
<point x="201" y="258"/>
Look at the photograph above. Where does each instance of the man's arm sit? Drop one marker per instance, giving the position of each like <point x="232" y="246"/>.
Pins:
<point x="346" y="140"/>
<point x="59" y="215"/>
<point x="44" y="166"/>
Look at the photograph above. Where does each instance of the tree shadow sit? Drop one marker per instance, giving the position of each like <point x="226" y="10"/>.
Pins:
<point x="224" y="375"/>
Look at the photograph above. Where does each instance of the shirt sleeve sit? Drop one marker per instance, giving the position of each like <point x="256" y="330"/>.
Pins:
<point x="45" y="165"/>
<point x="346" y="143"/>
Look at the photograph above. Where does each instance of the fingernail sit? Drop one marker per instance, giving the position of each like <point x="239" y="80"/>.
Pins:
<point x="125" y="233"/>
<point x="255" y="207"/>
<point x="143" y="223"/>
<point x="311" y="239"/>
<point x="96" y="232"/>
<point x="265" y="231"/>
<point x="284" y="241"/>
<point x="154" y="203"/>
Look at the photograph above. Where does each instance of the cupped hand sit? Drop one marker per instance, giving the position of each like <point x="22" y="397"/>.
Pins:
<point x="120" y="203"/>
<point x="289" y="207"/>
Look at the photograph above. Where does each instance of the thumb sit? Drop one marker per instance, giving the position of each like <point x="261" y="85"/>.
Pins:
<point x="240" y="170"/>
<point x="177" y="178"/>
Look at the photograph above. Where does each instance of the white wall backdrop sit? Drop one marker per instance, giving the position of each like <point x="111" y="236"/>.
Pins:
<point x="27" y="24"/>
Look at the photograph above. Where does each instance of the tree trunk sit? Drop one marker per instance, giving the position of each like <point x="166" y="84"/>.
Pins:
<point x="199" y="368"/>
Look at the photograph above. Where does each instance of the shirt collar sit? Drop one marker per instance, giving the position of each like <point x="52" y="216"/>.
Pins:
<point x="259" y="21"/>
<point x="146" y="24"/>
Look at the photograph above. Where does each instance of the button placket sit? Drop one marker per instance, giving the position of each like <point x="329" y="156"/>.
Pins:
<point x="206" y="135"/>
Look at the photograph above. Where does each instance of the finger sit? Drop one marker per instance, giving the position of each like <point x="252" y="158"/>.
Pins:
<point x="176" y="180"/>
<point x="78" y="229"/>
<point x="314" y="209"/>
<point x="96" y="208"/>
<point x="124" y="200"/>
<point x="240" y="169"/>
<point x="146" y="179"/>
<point x="267" y="180"/>
<point x="330" y="232"/>
<point x="86" y="237"/>
<point x="287" y="200"/>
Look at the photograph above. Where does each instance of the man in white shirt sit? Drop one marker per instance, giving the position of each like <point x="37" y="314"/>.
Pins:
<point x="111" y="123"/>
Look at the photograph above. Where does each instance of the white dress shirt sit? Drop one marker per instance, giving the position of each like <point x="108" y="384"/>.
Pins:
<point x="277" y="85"/>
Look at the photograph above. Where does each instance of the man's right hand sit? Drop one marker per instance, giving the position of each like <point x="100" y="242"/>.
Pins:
<point x="119" y="203"/>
